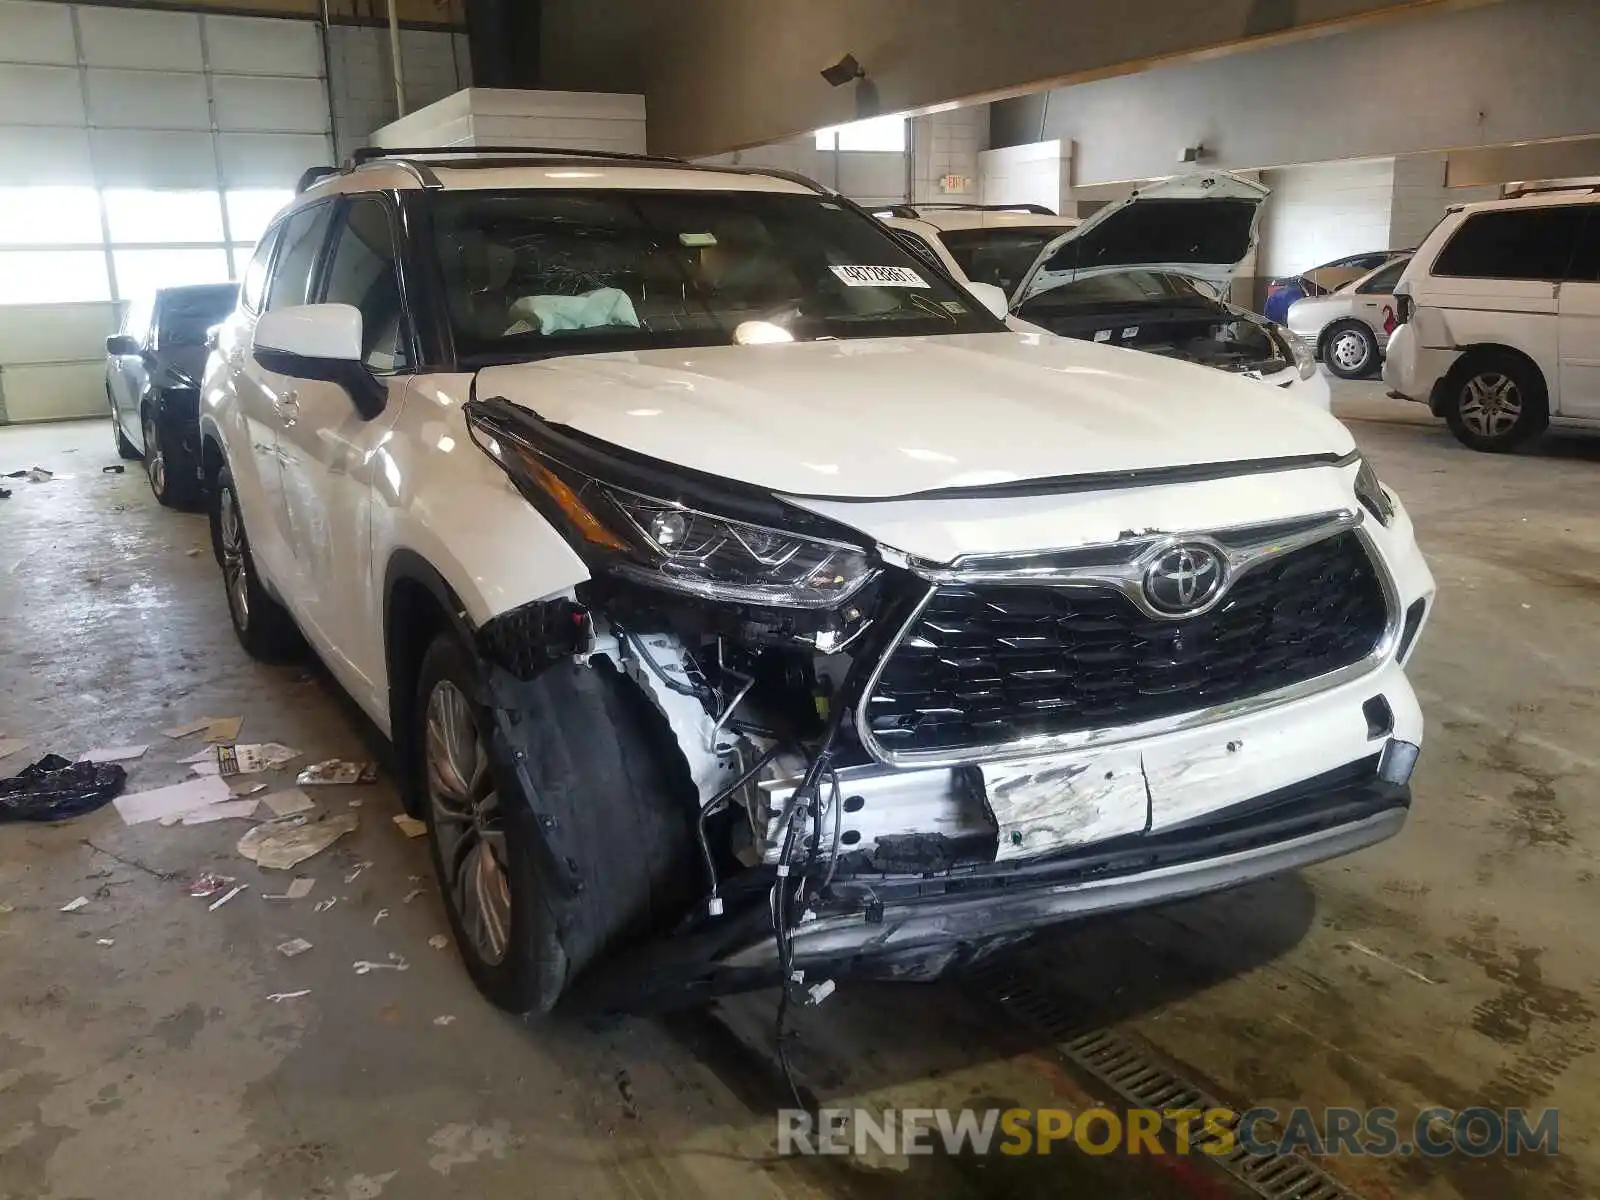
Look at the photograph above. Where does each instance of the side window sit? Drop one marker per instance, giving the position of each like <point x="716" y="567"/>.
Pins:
<point x="1383" y="282"/>
<point x="254" y="288"/>
<point x="363" y="273"/>
<point x="1586" y="259"/>
<point x="1516" y="243"/>
<point x="136" y="321"/>
<point x="300" y="240"/>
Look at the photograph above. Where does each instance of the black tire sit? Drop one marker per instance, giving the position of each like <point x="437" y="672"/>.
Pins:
<point x="125" y="448"/>
<point x="607" y="796"/>
<point x="172" y="482"/>
<point x="264" y="627"/>
<point x="1495" y="401"/>
<point x="1350" y="350"/>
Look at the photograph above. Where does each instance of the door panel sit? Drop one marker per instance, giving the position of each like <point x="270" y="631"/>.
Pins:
<point x="1579" y="323"/>
<point x="126" y="374"/>
<point x="271" y="396"/>
<point x="327" y="450"/>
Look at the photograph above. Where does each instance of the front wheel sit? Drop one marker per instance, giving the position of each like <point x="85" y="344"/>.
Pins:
<point x="263" y="626"/>
<point x="1496" y="402"/>
<point x="606" y="807"/>
<point x="1350" y="350"/>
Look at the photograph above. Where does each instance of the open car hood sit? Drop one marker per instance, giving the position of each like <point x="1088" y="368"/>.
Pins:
<point x="1200" y="225"/>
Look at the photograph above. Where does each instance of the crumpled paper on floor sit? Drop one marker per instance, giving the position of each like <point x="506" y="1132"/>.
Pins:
<point x="278" y="846"/>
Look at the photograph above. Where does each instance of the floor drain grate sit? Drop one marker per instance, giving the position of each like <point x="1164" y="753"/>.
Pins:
<point x="1128" y="1069"/>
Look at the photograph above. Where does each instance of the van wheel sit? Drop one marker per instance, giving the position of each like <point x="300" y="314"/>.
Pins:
<point x="602" y="791"/>
<point x="264" y="627"/>
<point x="1496" y="401"/>
<point x="1350" y="350"/>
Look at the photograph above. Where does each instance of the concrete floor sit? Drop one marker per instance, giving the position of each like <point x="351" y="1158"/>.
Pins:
<point x="1451" y="966"/>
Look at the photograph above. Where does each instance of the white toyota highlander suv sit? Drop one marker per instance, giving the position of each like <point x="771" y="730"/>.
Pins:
<point x="739" y="592"/>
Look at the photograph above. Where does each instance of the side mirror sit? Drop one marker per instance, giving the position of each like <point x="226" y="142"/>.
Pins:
<point x="991" y="296"/>
<point x="320" y="341"/>
<point x="120" y="343"/>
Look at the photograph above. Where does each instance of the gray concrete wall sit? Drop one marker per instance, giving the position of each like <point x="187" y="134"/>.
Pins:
<point x="945" y="144"/>
<point x="1421" y="197"/>
<point x="1434" y="81"/>
<point x="724" y="74"/>
<point x="435" y="65"/>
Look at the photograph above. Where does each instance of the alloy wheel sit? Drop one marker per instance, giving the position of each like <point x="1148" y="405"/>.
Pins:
<point x="1491" y="403"/>
<point x="155" y="461"/>
<point x="235" y="568"/>
<point x="467" y="822"/>
<point x="1349" y="350"/>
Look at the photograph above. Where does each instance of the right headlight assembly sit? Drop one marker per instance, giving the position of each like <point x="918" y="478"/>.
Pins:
<point x="666" y="544"/>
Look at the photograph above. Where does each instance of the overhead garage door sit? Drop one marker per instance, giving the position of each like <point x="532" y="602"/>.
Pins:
<point x="137" y="149"/>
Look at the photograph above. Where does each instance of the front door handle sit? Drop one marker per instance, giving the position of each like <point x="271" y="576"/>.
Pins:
<point x="289" y="408"/>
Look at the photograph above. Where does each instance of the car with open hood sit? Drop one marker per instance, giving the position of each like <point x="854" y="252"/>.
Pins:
<point x="748" y="604"/>
<point x="1150" y="273"/>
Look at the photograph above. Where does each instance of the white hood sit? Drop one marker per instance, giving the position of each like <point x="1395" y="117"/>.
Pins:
<point x="896" y="416"/>
<point x="1202" y="226"/>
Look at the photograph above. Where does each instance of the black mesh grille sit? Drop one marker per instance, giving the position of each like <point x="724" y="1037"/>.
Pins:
<point x="989" y="664"/>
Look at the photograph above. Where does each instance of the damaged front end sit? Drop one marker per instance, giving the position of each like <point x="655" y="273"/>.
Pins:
<point x="900" y="765"/>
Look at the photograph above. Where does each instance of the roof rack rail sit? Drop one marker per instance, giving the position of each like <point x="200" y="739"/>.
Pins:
<point x="367" y="154"/>
<point x="1516" y="191"/>
<point x="1037" y="210"/>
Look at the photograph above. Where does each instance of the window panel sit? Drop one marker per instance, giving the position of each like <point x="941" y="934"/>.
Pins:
<point x="255" y="274"/>
<point x="876" y="133"/>
<point x="142" y="271"/>
<point x="49" y="216"/>
<point x="250" y="210"/>
<point x="1513" y="243"/>
<point x="150" y="215"/>
<point x="300" y="241"/>
<point x="362" y="273"/>
<point x="53" y="276"/>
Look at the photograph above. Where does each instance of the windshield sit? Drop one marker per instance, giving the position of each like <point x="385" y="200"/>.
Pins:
<point x="535" y="272"/>
<point x="1000" y="256"/>
<point x="186" y="314"/>
<point x="1114" y="290"/>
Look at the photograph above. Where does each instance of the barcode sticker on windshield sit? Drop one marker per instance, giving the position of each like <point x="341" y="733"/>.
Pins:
<point x="879" y="277"/>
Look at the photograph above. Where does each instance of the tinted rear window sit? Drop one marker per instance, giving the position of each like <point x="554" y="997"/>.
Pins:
<point x="186" y="314"/>
<point x="1518" y="243"/>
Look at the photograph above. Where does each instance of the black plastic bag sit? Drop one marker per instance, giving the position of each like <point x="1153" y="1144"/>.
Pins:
<point x="54" y="789"/>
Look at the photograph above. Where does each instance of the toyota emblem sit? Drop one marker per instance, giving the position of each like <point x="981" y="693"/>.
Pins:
<point x="1184" y="580"/>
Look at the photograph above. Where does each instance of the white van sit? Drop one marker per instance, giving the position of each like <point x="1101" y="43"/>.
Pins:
<point x="1501" y="319"/>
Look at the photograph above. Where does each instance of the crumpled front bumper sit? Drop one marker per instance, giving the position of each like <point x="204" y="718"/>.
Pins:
<point x="1229" y="803"/>
<point x="1105" y="878"/>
